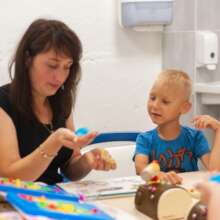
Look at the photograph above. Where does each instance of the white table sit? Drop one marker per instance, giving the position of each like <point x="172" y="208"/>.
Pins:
<point x="127" y="203"/>
<point x="124" y="207"/>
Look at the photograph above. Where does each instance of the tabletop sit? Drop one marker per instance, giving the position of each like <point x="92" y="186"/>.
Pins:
<point x="127" y="203"/>
<point x="124" y="207"/>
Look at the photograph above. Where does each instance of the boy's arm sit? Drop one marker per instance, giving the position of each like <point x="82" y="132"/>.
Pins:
<point x="205" y="160"/>
<point x="141" y="162"/>
<point x="211" y="160"/>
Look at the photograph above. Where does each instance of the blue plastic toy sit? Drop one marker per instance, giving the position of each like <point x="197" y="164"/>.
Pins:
<point x="8" y="185"/>
<point x="56" y="208"/>
<point x="215" y="178"/>
<point x="82" y="131"/>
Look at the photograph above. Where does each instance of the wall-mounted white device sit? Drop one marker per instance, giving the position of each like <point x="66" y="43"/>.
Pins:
<point x="207" y="49"/>
<point x="145" y="13"/>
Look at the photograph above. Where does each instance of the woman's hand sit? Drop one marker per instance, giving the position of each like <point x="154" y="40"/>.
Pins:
<point x="96" y="159"/>
<point x="205" y="121"/>
<point x="171" y="177"/>
<point x="100" y="159"/>
<point x="66" y="137"/>
<point x="84" y="140"/>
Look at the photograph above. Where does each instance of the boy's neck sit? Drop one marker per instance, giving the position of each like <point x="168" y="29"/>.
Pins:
<point x="169" y="131"/>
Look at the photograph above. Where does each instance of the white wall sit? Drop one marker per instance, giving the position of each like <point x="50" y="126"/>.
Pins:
<point x="119" y="65"/>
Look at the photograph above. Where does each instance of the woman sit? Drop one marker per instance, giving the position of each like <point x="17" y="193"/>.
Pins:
<point x="35" y="109"/>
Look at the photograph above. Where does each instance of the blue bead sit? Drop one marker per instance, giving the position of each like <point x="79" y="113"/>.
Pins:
<point x="82" y="131"/>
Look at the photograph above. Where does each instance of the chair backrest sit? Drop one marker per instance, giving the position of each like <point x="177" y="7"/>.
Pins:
<point x="122" y="154"/>
<point x="116" y="136"/>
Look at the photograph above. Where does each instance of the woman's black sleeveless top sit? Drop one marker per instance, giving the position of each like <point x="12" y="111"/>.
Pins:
<point x="31" y="134"/>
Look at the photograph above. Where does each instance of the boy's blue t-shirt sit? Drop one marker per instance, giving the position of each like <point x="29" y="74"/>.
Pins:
<point x="180" y="154"/>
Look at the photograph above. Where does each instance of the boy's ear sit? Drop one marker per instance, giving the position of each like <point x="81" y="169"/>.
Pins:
<point x="186" y="107"/>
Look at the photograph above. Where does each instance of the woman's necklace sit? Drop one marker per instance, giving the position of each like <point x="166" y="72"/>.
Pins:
<point x="49" y="127"/>
<point x="43" y="112"/>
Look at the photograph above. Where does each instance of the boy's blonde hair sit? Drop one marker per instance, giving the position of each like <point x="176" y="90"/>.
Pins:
<point x="176" y="78"/>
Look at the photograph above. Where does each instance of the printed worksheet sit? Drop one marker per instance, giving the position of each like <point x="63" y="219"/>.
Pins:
<point x="100" y="189"/>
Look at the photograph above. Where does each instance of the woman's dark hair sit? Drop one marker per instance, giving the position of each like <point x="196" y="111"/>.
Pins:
<point x="41" y="36"/>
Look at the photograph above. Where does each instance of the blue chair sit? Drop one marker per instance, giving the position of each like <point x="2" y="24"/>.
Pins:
<point x="116" y="136"/>
<point x="124" y="151"/>
<point x="122" y="154"/>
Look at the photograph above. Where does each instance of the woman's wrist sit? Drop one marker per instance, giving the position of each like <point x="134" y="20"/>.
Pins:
<point x="49" y="149"/>
<point x="81" y="167"/>
<point x="47" y="155"/>
<point x="76" y="153"/>
<point x="86" y="162"/>
<point x="52" y="143"/>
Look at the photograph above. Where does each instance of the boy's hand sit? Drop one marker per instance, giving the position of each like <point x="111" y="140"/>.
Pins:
<point x="171" y="177"/>
<point x="205" y="121"/>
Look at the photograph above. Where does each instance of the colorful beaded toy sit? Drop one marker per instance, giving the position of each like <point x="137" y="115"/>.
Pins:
<point x="18" y="186"/>
<point x="56" y="208"/>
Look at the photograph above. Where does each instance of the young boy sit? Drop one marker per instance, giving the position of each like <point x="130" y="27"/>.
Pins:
<point x="176" y="148"/>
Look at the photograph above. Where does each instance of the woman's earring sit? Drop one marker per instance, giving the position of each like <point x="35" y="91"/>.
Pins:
<point x="62" y="87"/>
